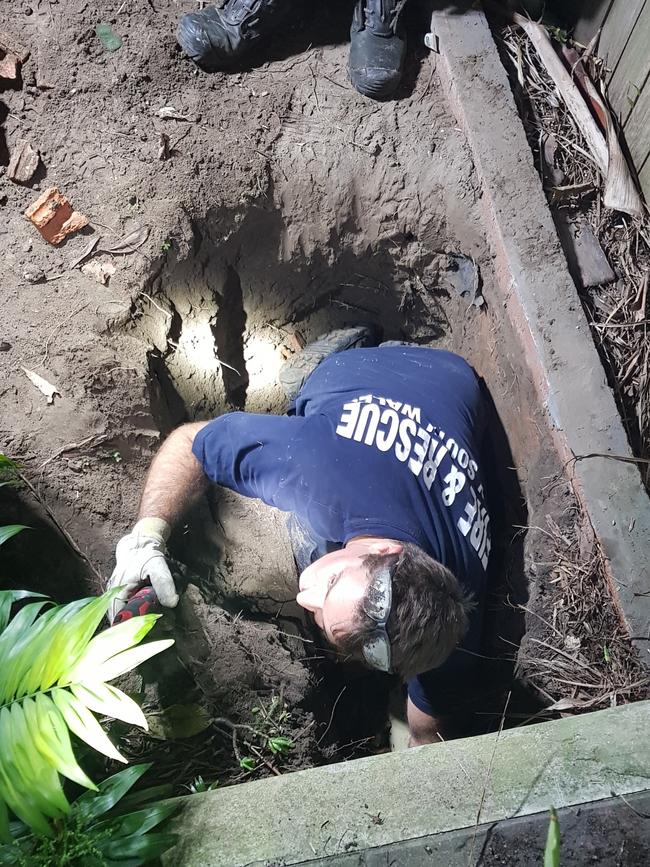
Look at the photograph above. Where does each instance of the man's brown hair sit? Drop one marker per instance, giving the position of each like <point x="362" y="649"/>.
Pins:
<point x="428" y="616"/>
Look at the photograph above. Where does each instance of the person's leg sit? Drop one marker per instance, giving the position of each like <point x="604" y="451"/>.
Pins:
<point x="295" y="371"/>
<point x="377" y="47"/>
<point x="216" y="38"/>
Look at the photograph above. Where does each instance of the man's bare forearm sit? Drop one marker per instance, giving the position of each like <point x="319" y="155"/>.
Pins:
<point x="175" y="480"/>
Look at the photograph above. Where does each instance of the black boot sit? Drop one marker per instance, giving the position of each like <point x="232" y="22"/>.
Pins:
<point x="377" y="47"/>
<point x="216" y="38"/>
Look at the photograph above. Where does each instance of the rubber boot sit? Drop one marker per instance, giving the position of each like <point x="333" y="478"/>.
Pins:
<point x="377" y="47"/>
<point x="217" y="38"/>
<point x="294" y="372"/>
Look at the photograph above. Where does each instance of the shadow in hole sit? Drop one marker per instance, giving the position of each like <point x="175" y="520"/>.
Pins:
<point x="504" y="621"/>
<point x="167" y="406"/>
<point x="228" y="330"/>
<point x="39" y="559"/>
<point x="251" y="287"/>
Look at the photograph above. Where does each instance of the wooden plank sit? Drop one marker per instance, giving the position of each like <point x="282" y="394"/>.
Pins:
<point x="617" y="30"/>
<point x="637" y="128"/>
<point x="627" y="81"/>
<point x="644" y="179"/>
<point x="591" y="16"/>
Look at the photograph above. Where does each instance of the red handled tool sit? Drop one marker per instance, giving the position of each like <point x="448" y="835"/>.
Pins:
<point x="143" y="601"/>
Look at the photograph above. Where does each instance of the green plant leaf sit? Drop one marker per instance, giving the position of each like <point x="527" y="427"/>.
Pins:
<point x="40" y="701"/>
<point x="552" y="848"/>
<point x="148" y="847"/>
<point x="247" y="763"/>
<point x="90" y="805"/>
<point x="109" y="701"/>
<point x="19" y="798"/>
<point x="9" y="855"/>
<point x="11" y="530"/>
<point x="18" y="829"/>
<point x="129" y="659"/>
<point x="143" y="796"/>
<point x="179" y="721"/>
<point x="5" y="835"/>
<point x="40" y="649"/>
<point x="50" y="737"/>
<point x="81" y="721"/>
<point x="12" y="640"/>
<point x="7" y="599"/>
<point x="112" y="641"/>
<point x="138" y="823"/>
<point x="280" y="745"/>
<point x="71" y="643"/>
<point x="45" y="781"/>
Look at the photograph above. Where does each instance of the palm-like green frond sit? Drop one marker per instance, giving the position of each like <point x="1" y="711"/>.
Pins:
<point x="10" y="530"/>
<point x="101" y="828"/>
<point x="53" y="677"/>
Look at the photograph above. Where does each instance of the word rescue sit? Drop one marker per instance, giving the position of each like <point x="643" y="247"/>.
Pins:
<point x="391" y="426"/>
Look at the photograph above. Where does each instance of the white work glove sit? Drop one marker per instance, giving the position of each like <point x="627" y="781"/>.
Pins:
<point x="140" y="560"/>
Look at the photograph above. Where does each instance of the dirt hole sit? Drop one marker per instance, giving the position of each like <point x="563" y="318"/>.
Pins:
<point x="223" y="320"/>
<point x="218" y="322"/>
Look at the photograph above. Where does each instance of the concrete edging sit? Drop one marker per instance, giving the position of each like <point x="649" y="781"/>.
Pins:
<point x="332" y="811"/>
<point x="539" y="296"/>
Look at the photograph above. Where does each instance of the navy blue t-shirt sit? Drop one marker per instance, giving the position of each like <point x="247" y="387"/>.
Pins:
<point x="382" y="442"/>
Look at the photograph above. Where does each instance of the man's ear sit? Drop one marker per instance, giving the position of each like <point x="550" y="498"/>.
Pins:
<point x="385" y="546"/>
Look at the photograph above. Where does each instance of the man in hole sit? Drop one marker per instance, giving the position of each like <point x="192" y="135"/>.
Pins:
<point x="225" y="35"/>
<point x="378" y="462"/>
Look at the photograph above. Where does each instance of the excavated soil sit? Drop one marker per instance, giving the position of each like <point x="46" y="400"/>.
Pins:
<point x="288" y="205"/>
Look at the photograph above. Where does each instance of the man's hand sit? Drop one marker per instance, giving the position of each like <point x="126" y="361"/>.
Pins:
<point x="140" y="559"/>
<point x="175" y="481"/>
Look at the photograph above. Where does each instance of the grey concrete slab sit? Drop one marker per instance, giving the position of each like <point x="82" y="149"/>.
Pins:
<point x="346" y="808"/>
<point x="539" y="296"/>
<point x="609" y="833"/>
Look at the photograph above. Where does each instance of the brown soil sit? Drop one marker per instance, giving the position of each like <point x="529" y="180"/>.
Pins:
<point x="286" y="185"/>
<point x="289" y="205"/>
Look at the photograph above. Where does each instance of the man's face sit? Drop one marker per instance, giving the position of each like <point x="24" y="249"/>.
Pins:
<point x="332" y="587"/>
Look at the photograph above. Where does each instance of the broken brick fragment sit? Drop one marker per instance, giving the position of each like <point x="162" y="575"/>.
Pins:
<point x="23" y="163"/>
<point x="9" y="67"/>
<point x="10" y="45"/>
<point x="53" y="216"/>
